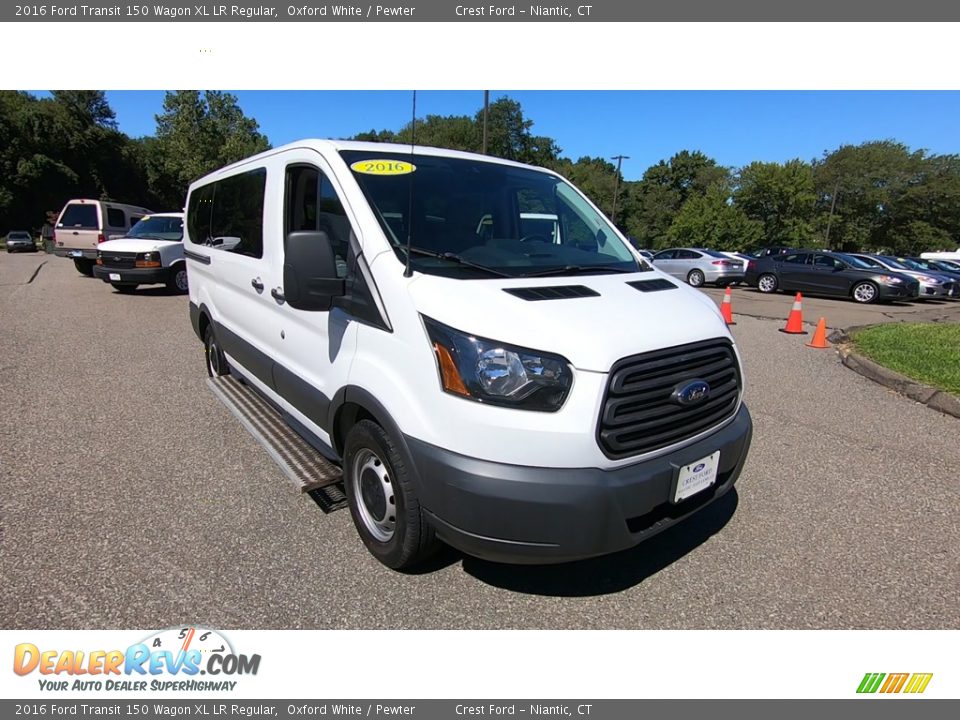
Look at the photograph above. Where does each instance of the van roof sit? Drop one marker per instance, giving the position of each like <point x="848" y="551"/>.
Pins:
<point x="105" y="202"/>
<point x="338" y="145"/>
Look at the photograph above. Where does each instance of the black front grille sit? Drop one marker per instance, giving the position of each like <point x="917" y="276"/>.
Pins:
<point x="553" y="292"/>
<point x="639" y="414"/>
<point x="119" y="260"/>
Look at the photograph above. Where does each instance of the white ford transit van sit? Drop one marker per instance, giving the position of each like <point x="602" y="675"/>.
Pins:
<point x="83" y="224"/>
<point x="521" y="399"/>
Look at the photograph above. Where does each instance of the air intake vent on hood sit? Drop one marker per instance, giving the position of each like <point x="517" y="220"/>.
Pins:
<point x="652" y="285"/>
<point x="554" y="292"/>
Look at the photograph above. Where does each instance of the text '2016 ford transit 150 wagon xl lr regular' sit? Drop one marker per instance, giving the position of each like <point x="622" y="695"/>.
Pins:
<point x="521" y="399"/>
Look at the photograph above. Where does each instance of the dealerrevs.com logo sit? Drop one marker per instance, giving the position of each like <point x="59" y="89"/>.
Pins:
<point x="171" y="660"/>
<point x="909" y="683"/>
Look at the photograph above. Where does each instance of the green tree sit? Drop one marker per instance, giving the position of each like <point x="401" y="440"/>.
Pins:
<point x="652" y="203"/>
<point x="712" y="220"/>
<point x="196" y="134"/>
<point x="781" y="198"/>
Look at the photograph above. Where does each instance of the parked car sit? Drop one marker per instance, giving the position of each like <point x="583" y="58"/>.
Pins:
<point x="698" y="266"/>
<point x="646" y="254"/>
<point x="941" y="264"/>
<point x="932" y="285"/>
<point x="476" y="389"/>
<point x="150" y="254"/>
<point x="827" y="273"/>
<point x="932" y="266"/>
<point x="20" y="241"/>
<point x="769" y="250"/>
<point x="83" y="224"/>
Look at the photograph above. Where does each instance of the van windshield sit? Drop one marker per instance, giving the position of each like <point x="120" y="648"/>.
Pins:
<point x="158" y="228"/>
<point x="465" y="216"/>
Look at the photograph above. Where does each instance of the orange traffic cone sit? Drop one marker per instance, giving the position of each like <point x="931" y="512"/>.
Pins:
<point x="726" y="307"/>
<point x="820" y="336"/>
<point x="795" y="319"/>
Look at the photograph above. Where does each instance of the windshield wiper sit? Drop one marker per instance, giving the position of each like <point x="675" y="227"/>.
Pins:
<point x="454" y="258"/>
<point x="578" y="269"/>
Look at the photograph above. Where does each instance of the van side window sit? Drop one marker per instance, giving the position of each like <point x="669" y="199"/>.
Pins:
<point x="116" y="218"/>
<point x="198" y="215"/>
<point x="236" y="218"/>
<point x="311" y="203"/>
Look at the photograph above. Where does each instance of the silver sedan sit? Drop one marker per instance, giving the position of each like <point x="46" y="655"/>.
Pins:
<point x="698" y="266"/>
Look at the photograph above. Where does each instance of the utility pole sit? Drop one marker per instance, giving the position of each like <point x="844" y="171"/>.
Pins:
<point x="616" y="187"/>
<point x="486" y="107"/>
<point x="833" y="204"/>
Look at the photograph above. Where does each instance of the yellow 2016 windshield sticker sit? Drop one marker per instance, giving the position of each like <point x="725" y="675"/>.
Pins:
<point x="383" y="167"/>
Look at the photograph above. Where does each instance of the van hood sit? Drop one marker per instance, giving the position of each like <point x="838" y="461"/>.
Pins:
<point x="135" y="245"/>
<point x="591" y="332"/>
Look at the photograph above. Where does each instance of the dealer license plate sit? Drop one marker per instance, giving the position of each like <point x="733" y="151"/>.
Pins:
<point x="76" y="253"/>
<point x="697" y="476"/>
<point x="115" y="277"/>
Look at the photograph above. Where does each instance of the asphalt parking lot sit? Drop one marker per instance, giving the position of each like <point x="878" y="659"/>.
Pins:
<point x="130" y="497"/>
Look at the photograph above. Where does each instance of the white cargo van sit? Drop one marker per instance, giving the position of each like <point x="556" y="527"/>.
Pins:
<point x="151" y="253"/>
<point x="84" y="224"/>
<point x="520" y="399"/>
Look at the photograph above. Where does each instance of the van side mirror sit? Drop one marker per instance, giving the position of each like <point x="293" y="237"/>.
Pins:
<point x="310" y="279"/>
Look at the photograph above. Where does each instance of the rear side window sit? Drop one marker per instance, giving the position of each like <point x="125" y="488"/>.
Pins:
<point x="116" y="218"/>
<point x="228" y="215"/>
<point x="798" y="259"/>
<point x="80" y="216"/>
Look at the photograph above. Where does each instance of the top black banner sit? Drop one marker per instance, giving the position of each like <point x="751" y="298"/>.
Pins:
<point x="452" y="11"/>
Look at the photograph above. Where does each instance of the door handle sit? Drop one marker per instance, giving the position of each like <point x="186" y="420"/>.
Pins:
<point x="257" y="284"/>
<point x="277" y="294"/>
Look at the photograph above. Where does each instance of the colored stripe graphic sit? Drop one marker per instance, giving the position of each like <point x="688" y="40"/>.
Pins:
<point x="870" y="682"/>
<point x="894" y="683"/>
<point x="918" y="683"/>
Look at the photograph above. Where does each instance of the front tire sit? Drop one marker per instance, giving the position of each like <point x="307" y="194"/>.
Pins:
<point x="177" y="280"/>
<point x="695" y="278"/>
<point x="216" y="361"/>
<point x="865" y="292"/>
<point x="383" y="502"/>
<point x="84" y="266"/>
<point x="767" y="283"/>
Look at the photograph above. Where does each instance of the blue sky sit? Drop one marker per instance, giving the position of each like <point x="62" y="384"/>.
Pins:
<point x="734" y="127"/>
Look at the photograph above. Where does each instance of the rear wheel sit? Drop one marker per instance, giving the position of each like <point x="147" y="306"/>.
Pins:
<point x="124" y="287"/>
<point x="383" y="502"/>
<point x="865" y="292"/>
<point x="767" y="283"/>
<point x="695" y="278"/>
<point x="216" y="361"/>
<point x="83" y="266"/>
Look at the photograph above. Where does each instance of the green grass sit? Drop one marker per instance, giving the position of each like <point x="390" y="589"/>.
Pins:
<point x="926" y="352"/>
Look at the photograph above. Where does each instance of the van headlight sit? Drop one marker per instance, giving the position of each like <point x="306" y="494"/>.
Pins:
<point x="493" y="372"/>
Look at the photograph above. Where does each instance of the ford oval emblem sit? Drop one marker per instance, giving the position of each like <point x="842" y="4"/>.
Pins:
<point x="691" y="393"/>
<point x="699" y="467"/>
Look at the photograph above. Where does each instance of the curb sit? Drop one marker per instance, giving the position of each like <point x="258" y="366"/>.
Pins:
<point x="925" y="394"/>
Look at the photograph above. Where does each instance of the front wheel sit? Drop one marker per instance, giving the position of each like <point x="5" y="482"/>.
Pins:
<point x="383" y="502"/>
<point x="177" y="280"/>
<point x="695" y="278"/>
<point x="767" y="283"/>
<point x="84" y="266"/>
<point x="865" y="292"/>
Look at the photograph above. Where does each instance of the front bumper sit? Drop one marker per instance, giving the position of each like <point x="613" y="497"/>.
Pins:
<point x="902" y="291"/>
<point x="512" y="513"/>
<point x="140" y="276"/>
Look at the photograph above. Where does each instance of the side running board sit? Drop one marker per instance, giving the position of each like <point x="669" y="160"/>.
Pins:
<point x="306" y="468"/>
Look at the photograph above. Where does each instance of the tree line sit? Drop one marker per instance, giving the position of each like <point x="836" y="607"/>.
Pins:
<point x="879" y="195"/>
